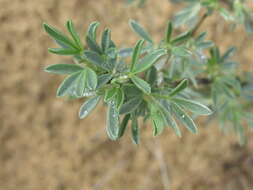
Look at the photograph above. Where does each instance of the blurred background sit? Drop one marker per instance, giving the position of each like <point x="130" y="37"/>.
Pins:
<point x="44" y="145"/>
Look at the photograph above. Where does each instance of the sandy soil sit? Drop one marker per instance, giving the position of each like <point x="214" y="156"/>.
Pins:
<point x="43" y="144"/>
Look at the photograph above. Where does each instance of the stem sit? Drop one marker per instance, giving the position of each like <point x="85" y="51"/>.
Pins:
<point x="201" y="21"/>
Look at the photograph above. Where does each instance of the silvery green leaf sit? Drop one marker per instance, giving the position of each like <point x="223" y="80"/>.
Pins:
<point x="106" y="39"/>
<point x="136" y="53"/>
<point x="157" y="119"/>
<point x="68" y="84"/>
<point x="168" y="32"/>
<point x="148" y="61"/>
<point x="63" y="69"/>
<point x="59" y="36"/>
<point x="135" y="130"/>
<point x="109" y="94"/>
<point x="95" y="59"/>
<point x="103" y="79"/>
<point x="180" y="51"/>
<point x="119" y="98"/>
<point x="91" y="79"/>
<point x="112" y="126"/>
<point x="74" y="34"/>
<point x="123" y="125"/>
<point x="92" y="44"/>
<point x="181" y="86"/>
<point x="184" y="118"/>
<point x="88" y="106"/>
<point x="64" y="51"/>
<point x="187" y="15"/>
<point x="193" y="106"/>
<point x="169" y="119"/>
<point x="141" y="84"/>
<point x="92" y="30"/>
<point x="130" y="105"/>
<point x="140" y="31"/>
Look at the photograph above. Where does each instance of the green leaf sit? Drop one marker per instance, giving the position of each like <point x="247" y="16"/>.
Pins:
<point x="103" y="79"/>
<point x="57" y="35"/>
<point x="88" y="106"/>
<point x="91" y="79"/>
<point x="63" y="69"/>
<point x="112" y="126"/>
<point x="64" y="51"/>
<point x="151" y="76"/>
<point x="92" y="30"/>
<point x="181" y="38"/>
<point x="188" y="15"/>
<point x="181" y="86"/>
<point x="180" y="51"/>
<point x="168" y="32"/>
<point x="184" y="118"/>
<point x="157" y="119"/>
<point x="169" y="119"/>
<point x="119" y="98"/>
<point x="92" y="44"/>
<point x="106" y="39"/>
<point x="193" y="106"/>
<point x="68" y="84"/>
<point x="148" y="61"/>
<point x="140" y="31"/>
<point x="95" y="59"/>
<point x="230" y="52"/>
<point x="141" y="84"/>
<point x="130" y="106"/>
<point x="109" y="94"/>
<point x="123" y="125"/>
<point x="86" y="82"/>
<point x="135" y="130"/>
<point x="74" y="34"/>
<point x="136" y="53"/>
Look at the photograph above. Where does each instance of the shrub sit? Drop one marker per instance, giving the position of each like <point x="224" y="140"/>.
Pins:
<point x="167" y="83"/>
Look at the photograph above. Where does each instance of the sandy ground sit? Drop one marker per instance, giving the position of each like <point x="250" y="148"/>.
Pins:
<point x="43" y="144"/>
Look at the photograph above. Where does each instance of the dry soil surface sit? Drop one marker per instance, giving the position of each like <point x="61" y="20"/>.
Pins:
<point x="43" y="144"/>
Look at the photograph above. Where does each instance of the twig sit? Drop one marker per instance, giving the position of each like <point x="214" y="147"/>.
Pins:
<point x="201" y="21"/>
<point x="163" y="166"/>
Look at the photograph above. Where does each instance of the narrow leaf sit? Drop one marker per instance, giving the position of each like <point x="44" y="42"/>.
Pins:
<point x="95" y="59"/>
<point x="62" y="51"/>
<point x="92" y="30"/>
<point x="91" y="79"/>
<point x="136" y="53"/>
<point x="109" y="94"/>
<point x="193" y="106"/>
<point x="140" y="31"/>
<point x="130" y="106"/>
<point x="168" y="32"/>
<point x="74" y="34"/>
<point x="123" y="125"/>
<point x="63" y="69"/>
<point x="141" y="84"/>
<point x="106" y="39"/>
<point x="88" y="106"/>
<point x="181" y="86"/>
<point x="135" y="130"/>
<point x="67" y="84"/>
<point x="59" y="36"/>
<point x="103" y="79"/>
<point x="184" y="118"/>
<point x="112" y="126"/>
<point x="92" y="44"/>
<point x="148" y="61"/>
